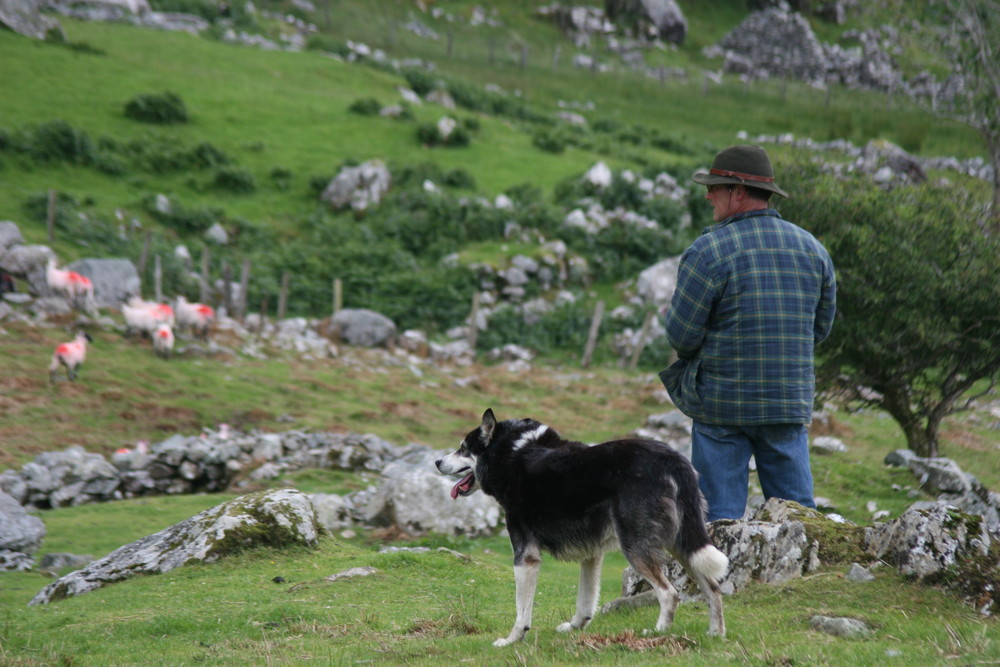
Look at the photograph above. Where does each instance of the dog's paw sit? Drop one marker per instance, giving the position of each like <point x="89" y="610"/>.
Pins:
<point x="565" y="627"/>
<point x="500" y="643"/>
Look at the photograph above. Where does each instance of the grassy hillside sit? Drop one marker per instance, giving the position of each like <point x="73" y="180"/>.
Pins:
<point x="288" y="112"/>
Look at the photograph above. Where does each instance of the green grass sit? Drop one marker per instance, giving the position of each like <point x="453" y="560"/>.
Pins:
<point x="425" y="608"/>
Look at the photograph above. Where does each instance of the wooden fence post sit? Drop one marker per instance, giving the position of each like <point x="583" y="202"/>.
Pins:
<point x="244" y="287"/>
<point x="283" y="296"/>
<point x="450" y="42"/>
<point x="158" y="279"/>
<point x="474" y="323"/>
<point x="524" y="56"/>
<point x="50" y="216"/>
<point x="492" y="47"/>
<point x="643" y="339"/>
<point x="595" y="327"/>
<point x="204" y="293"/>
<point x="338" y="295"/>
<point x="227" y="288"/>
<point x="555" y="57"/>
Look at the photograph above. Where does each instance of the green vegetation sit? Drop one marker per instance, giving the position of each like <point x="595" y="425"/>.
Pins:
<point x="265" y="133"/>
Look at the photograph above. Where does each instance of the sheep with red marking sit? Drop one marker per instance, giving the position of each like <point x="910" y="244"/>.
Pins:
<point x="163" y="340"/>
<point x="145" y="316"/>
<point x="71" y="355"/>
<point x="196" y="316"/>
<point x="74" y="286"/>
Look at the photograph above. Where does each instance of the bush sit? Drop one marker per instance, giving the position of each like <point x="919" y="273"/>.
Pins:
<point x="237" y="181"/>
<point x="164" y="109"/>
<point x="282" y="178"/>
<point x="181" y="219"/>
<point x="58" y="141"/>
<point x="367" y="106"/>
<point x="549" y="141"/>
<point x="421" y="81"/>
<point x="318" y="42"/>
<point x="429" y="135"/>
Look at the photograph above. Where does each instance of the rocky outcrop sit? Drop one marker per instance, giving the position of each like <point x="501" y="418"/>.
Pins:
<point x="23" y="17"/>
<point x="20" y="535"/>
<point x="272" y="518"/>
<point x="358" y="187"/>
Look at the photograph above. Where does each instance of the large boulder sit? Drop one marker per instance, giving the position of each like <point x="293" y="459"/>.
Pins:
<point x="23" y="17"/>
<point x="657" y="283"/>
<point x="358" y="187"/>
<point x="274" y="518"/>
<point x="928" y="539"/>
<point x="776" y="43"/>
<point x="414" y="497"/>
<point x="362" y="327"/>
<point x="10" y="236"/>
<point x="115" y="280"/>
<point x="20" y="534"/>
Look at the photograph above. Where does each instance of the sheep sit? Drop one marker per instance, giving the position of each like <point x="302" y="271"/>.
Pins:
<point x="71" y="284"/>
<point x="197" y="316"/>
<point x="163" y="340"/>
<point x="71" y="355"/>
<point x="145" y="316"/>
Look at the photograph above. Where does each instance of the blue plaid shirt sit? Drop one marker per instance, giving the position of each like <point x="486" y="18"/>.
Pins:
<point x="755" y="293"/>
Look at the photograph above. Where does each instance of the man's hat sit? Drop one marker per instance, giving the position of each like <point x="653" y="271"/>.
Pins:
<point x="741" y="165"/>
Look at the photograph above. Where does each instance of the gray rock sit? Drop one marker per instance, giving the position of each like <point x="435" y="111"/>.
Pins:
<point x="53" y="562"/>
<point x="412" y="495"/>
<point x="939" y="475"/>
<point x="840" y="627"/>
<point x="358" y="187"/>
<point x="360" y="326"/>
<point x="20" y="532"/>
<point x="899" y="458"/>
<point x="923" y="542"/>
<point x="10" y="236"/>
<point x="859" y="573"/>
<point x="657" y="283"/>
<point x="115" y="280"/>
<point x="825" y="443"/>
<point x="28" y="261"/>
<point x="274" y="518"/>
<point x="23" y="17"/>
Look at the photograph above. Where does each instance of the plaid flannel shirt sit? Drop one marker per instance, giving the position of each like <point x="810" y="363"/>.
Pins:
<point x="755" y="293"/>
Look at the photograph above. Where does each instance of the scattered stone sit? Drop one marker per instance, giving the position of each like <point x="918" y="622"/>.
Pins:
<point x="273" y="518"/>
<point x="840" y="627"/>
<point x="859" y="573"/>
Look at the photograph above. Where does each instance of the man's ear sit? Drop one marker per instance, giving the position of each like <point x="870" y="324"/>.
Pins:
<point x="489" y="423"/>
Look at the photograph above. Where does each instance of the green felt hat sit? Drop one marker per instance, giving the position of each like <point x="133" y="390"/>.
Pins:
<point x="741" y="165"/>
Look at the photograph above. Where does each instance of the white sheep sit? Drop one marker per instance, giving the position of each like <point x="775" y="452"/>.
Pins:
<point x="163" y="340"/>
<point x="145" y="316"/>
<point x="71" y="355"/>
<point x="71" y="284"/>
<point x="197" y="316"/>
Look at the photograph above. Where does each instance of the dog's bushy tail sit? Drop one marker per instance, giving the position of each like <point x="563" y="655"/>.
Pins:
<point x="693" y="538"/>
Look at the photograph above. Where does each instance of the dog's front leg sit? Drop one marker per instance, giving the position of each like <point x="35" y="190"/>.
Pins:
<point x="526" y="580"/>
<point x="586" y="595"/>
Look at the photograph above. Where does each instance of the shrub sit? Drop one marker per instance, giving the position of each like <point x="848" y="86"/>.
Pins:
<point x="459" y="178"/>
<point x="237" y="181"/>
<point x="58" y="141"/>
<point x="367" y="106"/>
<point x="318" y="42"/>
<point x="164" y="109"/>
<point x="421" y="81"/>
<point x="181" y="219"/>
<point x="282" y="177"/>
<point x="549" y="141"/>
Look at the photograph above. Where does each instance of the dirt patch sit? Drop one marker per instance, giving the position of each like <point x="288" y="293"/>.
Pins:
<point x="629" y="640"/>
<point x="966" y="440"/>
<point x="169" y="419"/>
<point x="249" y="419"/>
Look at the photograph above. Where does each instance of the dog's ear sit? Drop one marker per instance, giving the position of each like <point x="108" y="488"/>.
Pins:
<point x="489" y="423"/>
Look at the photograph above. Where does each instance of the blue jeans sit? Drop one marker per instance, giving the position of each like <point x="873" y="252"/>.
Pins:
<point x="721" y="455"/>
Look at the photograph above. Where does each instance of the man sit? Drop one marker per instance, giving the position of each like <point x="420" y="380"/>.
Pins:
<point x="755" y="293"/>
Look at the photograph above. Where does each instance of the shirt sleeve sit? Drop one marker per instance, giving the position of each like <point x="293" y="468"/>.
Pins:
<point x="687" y="319"/>
<point x="826" y="311"/>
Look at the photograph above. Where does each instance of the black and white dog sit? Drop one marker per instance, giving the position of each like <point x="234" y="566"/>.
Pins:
<point x="578" y="502"/>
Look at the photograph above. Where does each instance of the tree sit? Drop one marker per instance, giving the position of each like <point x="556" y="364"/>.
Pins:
<point x="917" y="331"/>
<point x="972" y="44"/>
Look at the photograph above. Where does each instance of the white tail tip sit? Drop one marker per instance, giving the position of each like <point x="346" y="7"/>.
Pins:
<point x="710" y="562"/>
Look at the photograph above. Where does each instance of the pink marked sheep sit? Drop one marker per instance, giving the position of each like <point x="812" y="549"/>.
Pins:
<point x="163" y="340"/>
<point x="197" y="316"/>
<point x="71" y="355"/>
<point x="145" y="316"/>
<point x="71" y="284"/>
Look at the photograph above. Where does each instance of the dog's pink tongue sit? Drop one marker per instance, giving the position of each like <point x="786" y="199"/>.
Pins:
<point x="463" y="485"/>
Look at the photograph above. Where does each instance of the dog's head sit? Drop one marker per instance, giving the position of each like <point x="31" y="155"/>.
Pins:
<point x="463" y="460"/>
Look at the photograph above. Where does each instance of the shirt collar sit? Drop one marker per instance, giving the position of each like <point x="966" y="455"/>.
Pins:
<point x="742" y="216"/>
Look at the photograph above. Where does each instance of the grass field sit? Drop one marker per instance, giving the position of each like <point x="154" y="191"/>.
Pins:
<point x="289" y="111"/>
